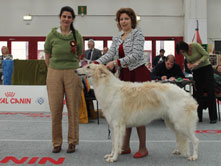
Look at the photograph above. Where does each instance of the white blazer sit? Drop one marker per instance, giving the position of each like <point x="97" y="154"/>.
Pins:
<point x="133" y="49"/>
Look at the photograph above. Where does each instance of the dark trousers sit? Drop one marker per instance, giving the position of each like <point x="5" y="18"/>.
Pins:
<point x="205" y="91"/>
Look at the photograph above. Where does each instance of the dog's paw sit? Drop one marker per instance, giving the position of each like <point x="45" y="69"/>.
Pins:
<point x="111" y="160"/>
<point x="186" y="154"/>
<point x="176" y="152"/>
<point x="107" y="156"/>
<point x="193" y="158"/>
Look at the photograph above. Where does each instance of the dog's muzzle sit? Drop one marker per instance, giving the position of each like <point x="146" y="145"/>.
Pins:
<point x="79" y="74"/>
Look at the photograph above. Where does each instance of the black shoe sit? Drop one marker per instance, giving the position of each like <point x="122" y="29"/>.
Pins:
<point x="56" y="149"/>
<point x="200" y="120"/>
<point x="212" y="121"/>
<point x="71" y="148"/>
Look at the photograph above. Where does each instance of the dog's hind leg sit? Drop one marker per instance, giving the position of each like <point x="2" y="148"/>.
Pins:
<point x="171" y="126"/>
<point x="182" y="145"/>
<point x="195" y="142"/>
<point x="189" y="132"/>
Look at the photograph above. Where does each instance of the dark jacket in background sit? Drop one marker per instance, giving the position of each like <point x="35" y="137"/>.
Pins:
<point x="96" y="54"/>
<point x="161" y="70"/>
<point x="156" y="60"/>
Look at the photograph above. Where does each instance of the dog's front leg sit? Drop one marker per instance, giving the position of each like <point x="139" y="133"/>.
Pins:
<point x="112" y="151"/>
<point x="115" y="144"/>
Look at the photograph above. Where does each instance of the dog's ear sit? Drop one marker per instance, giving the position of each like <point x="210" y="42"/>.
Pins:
<point x="103" y="72"/>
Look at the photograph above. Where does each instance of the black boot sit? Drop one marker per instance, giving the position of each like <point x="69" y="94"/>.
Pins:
<point x="200" y="114"/>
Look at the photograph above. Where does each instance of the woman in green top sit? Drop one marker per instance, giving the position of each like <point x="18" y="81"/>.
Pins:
<point x="198" y="62"/>
<point x="63" y="48"/>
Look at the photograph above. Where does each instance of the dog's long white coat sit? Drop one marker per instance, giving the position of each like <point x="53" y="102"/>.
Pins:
<point x="126" y="104"/>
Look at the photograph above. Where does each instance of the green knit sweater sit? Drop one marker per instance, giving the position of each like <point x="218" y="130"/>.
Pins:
<point x="59" y="47"/>
<point x="198" y="52"/>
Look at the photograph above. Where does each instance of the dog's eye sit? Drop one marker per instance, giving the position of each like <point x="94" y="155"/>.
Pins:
<point x="88" y="67"/>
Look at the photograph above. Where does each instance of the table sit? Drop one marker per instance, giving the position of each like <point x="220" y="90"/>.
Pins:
<point x="182" y="83"/>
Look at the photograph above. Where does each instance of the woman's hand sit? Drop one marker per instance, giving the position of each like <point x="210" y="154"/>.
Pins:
<point x="189" y="65"/>
<point x="172" y="79"/>
<point x="111" y="65"/>
<point x="192" y="66"/>
<point x="47" y="57"/>
<point x="163" y="77"/>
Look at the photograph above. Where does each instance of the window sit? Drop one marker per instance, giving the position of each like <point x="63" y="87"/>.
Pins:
<point x="148" y="51"/>
<point x="109" y="42"/>
<point x="41" y="54"/>
<point x="3" y="43"/>
<point x="167" y="45"/>
<point x="19" y="49"/>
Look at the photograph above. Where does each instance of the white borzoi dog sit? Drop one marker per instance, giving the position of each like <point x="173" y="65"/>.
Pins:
<point x="126" y="104"/>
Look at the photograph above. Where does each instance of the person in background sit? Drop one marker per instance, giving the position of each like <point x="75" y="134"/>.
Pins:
<point x="198" y="62"/>
<point x="127" y="55"/>
<point x="5" y="56"/>
<point x="159" y="58"/>
<point x="149" y="66"/>
<point x="63" y="48"/>
<point x="92" y="53"/>
<point x="167" y="70"/>
<point x="105" y="49"/>
<point x="217" y="78"/>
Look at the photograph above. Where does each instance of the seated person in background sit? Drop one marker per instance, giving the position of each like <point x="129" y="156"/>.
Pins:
<point x="105" y="49"/>
<point x="92" y="53"/>
<point x="149" y="66"/>
<point x="159" y="58"/>
<point x="217" y="78"/>
<point x="5" y="56"/>
<point x="167" y="70"/>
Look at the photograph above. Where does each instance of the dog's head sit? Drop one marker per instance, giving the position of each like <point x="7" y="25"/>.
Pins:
<point x="94" y="70"/>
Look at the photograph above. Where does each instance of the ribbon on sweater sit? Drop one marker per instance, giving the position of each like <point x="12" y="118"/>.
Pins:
<point x="73" y="45"/>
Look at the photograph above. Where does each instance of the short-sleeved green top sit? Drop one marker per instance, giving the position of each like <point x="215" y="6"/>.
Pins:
<point x="197" y="53"/>
<point x="60" y="49"/>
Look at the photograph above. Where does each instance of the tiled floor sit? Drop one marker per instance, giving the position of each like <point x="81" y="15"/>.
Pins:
<point x="25" y="138"/>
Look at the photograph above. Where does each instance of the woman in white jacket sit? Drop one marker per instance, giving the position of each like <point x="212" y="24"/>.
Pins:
<point x="127" y="56"/>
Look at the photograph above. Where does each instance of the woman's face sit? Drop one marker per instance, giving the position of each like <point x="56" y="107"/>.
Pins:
<point x="66" y="19"/>
<point x="4" y="50"/>
<point x="125" y="22"/>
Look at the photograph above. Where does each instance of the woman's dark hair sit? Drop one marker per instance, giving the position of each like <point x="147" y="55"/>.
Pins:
<point x="130" y="12"/>
<point x="181" y="45"/>
<point x="69" y="9"/>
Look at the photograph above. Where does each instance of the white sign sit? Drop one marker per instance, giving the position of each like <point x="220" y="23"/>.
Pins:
<point x="24" y="98"/>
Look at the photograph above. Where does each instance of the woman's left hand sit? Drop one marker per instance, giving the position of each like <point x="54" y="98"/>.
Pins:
<point x="190" y="66"/>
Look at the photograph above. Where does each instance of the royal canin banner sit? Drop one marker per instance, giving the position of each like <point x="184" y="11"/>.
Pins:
<point x="24" y="98"/>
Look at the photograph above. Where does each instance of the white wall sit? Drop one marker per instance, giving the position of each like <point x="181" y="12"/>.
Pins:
<point x="195" y="10"/>
<point x="159" y="17"/>
<point x="214" y="20"/>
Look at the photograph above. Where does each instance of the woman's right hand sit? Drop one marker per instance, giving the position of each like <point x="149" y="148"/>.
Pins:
<point x="110" y="65"/>
<point x="47" y="62"/>
<point x="47" y="57"/>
